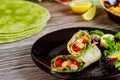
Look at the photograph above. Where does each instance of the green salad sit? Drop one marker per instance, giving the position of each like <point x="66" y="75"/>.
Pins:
<point x="112" y="54"/>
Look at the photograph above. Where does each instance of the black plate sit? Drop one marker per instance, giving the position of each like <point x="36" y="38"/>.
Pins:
<point x="53" y="44"/>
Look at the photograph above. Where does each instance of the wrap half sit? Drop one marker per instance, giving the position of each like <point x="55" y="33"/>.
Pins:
<point x="69" y="63"/>
<point x="79" y="43"/>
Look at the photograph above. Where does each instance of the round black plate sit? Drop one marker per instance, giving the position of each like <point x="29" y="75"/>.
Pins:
<point x="53" y="44"/>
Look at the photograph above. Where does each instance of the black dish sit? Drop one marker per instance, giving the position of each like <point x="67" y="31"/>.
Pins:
<point x="53" y="44"/>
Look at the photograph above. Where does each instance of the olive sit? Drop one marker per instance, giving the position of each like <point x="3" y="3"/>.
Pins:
<point x="117" y="39"/>
<point x="107" y="4"/>
<point x="118" y="1"/>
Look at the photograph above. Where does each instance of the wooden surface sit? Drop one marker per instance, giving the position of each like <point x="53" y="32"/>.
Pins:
<point x="15" y="59"/>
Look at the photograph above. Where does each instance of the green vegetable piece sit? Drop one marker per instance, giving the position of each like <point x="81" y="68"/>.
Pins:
<point x="97" y="32"/>
<point x="117" y="35"/>
<point x="110" y="43"/>
<point x="114" y="49"/>
<point x="117" y="65"/>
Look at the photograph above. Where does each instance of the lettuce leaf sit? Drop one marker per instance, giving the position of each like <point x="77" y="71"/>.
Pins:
<point x="117" y="35"/>
<point x="97" y="32"/>
<point x="117" y="65"/>
<point x="113" y="48"/>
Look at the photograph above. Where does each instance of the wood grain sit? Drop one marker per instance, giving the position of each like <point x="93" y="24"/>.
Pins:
<point x="15" y="59"/>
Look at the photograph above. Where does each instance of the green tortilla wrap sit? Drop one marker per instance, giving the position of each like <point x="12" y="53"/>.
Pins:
<point x="18" y="16"/>
<point x="79" y="43"/>
<point x="92" y="55"/>
<point x="21" y="19"/>
<point x="25" y="34"/>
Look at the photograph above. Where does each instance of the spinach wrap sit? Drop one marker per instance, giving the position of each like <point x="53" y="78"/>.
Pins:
<point x="79" y="43"/>
<point x="69" y="63"/>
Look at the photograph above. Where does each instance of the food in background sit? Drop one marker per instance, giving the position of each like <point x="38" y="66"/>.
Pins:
<point x="80" y="6"/>
<point x="113" y="6"/>
<point x="90" y="14"/>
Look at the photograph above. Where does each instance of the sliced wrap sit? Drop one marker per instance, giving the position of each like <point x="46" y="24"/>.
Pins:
<point x="66" y="63"/>
<point x="79" y="43"/>
<point x="69" y="63"/>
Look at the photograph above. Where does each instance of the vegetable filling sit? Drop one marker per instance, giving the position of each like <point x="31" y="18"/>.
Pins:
<point x="67" y="63"/>
<point x="80" y="43"/>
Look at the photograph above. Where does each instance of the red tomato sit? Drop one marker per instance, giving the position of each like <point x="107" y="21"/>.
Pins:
<point x="85" y="39"/>
<point x="76" y="48"/>
<point x="75" y="62"/>
<point x="59" y="62"/>
<point x="65" y="0"/>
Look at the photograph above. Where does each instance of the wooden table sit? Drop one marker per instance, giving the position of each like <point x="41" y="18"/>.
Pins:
<point x="15" y="58"/>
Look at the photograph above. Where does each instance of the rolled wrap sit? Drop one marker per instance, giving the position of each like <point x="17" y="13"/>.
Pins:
<point x="92" y="55"/>
<point x="74" y="39"/>
<point x="66" y="69"/>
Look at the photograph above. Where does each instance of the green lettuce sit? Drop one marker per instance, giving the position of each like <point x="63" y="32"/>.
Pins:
<point x="97" y="33"/>
<point x="117" y="35"/>
<point x="112" y="51"/>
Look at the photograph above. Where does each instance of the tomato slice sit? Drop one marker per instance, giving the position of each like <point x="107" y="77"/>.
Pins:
<point x="76" y="48"/>
<point x="75" y="62"/>
<point x="65" y="0"/>
<point x="59" y="62"/>
<point x="85" y="39"/>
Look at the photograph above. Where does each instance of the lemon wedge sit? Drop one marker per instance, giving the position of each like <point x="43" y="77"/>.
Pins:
<point x="117" y="56"/>
<point x="80" y="6"/>
<point x="90" y="14"/>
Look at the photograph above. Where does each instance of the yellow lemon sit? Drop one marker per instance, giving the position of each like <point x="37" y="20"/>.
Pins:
<point x="117" y="56"/>
<point x="90" y="14"/>
<point x="80" y="6"/>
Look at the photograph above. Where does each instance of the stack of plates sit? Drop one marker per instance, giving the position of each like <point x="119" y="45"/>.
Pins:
<point x="21" y="19"/>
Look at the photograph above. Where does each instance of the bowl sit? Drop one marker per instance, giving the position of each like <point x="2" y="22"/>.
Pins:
<point x="112" y="8"/>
